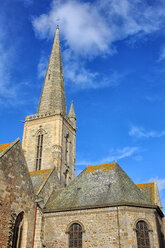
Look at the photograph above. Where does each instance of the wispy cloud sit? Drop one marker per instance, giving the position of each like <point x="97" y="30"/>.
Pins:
<point x="140" y="132"/>
<point x="161" y="187"/>
<point x="84" y="39"/>
<point x="7" y="89"/>
<point x="78" y="77"/>
<point x="160" y="181"/>
<point x="115" y="21"/>
<point x="42" y="66"/>
<point x="162" y="54"/>
<point x="114" y="155"/>
<point x="12" y="90"/>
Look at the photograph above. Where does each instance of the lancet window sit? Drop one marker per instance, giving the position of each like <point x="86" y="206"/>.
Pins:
<point x="142" y="233"/>
<point x="18" y="230"/>
<point x="66" y="177"/>
<point x="39" y="151"/>
<point x="67" y="148"/>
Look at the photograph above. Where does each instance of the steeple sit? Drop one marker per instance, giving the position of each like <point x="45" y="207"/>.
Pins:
<point x="49" y="137"/>
<point x="72" y="115"/>
<point x="52" y="98"/>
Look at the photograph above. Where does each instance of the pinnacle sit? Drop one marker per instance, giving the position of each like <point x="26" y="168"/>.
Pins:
<point x="72" y="112"/>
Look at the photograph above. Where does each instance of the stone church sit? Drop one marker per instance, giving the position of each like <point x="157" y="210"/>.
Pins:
<point x="42" y="204"/>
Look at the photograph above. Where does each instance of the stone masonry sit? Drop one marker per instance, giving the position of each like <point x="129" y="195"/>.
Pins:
<point x="58" y="130"/>
<point x="16" y="195"/>
<point x="101" y="227"/>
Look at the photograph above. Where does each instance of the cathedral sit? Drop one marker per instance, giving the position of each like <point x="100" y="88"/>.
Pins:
<point x="42" y="204"/>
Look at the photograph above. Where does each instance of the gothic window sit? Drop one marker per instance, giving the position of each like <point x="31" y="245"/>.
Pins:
<point x="66" y="177"/>
<point x="67" y="148"/>
<point x="18" y="229"/>
<point x="49" y="76"/>
<point x="39" y="151"/>
<point x="142" y="233"/>
<point x="75" y="236"/>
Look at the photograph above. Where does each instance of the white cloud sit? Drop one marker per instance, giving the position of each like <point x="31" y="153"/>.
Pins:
<point x="160" y="182"/>
<point x="78" y="26"/>
<point x="140" y="132"/>
<point x="114" y="155"/>
<point x="77" y="75"/>
<point x="91" y="29"/>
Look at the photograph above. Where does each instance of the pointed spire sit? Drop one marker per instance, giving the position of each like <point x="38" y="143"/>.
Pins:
<point x="52" y="98"/>
<point x="72" y="115"/>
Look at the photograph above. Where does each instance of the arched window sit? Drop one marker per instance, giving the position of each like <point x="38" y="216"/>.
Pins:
<point x="75" y="236"/>
<point x="39" y="151"/>
<point x="18" y="229"/>
<point x="66" y="177"/>
<point x="142" y="233"/>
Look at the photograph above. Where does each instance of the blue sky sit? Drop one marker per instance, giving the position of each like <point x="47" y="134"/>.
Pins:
<point x="113" y="56"/>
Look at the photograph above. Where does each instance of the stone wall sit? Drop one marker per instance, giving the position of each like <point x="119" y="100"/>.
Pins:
<point x="55" y="129"/>
<point x="101" y="227"/>
<point x="16" y="195"/>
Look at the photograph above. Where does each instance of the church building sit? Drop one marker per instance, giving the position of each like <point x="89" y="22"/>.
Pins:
<point x="42" y="204"/>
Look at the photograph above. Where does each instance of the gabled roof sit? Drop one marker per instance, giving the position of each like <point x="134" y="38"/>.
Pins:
<point x="3" y="147"/>
<point x="148" y="191"/>
<point x="151" y="192"/>
<point x="99" y="185"/>
<point x="14" y="167"/>
<point x="38" y="178"/>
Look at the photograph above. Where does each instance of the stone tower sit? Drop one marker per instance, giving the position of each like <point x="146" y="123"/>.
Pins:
<point x="49" y="136"/>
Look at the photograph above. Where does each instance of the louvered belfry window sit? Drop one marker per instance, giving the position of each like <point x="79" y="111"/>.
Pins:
<point x="39" y="152"/>
<point x="142" y="235"/>
<point x="75" y="236"/>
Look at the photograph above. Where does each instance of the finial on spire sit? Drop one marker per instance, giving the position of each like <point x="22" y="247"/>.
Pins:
<point x="58" y="22"/>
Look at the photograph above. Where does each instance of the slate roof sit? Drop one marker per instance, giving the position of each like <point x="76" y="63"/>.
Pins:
<point x="3" y="147"/>
<point x="148" y="191"/>
<point x="99" y="185"/>
<point x="39" y="177"/>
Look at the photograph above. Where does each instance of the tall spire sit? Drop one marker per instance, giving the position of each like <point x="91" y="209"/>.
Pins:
<point x="52" y="98"/>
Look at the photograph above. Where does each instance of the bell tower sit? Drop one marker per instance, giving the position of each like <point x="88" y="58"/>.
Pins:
<point x="49" y="137"/>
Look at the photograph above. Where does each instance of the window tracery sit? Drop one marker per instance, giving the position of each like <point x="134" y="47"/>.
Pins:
<point x="142" y="234"/>
<point x="39" y="151"/>
<point x="75" y="236"/>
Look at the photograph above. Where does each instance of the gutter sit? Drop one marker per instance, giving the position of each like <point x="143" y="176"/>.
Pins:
<point x="35" y="217"/>
<point x="118" y="225"/>
<point x="47" y="210"/>
<point x="34" y="227"/>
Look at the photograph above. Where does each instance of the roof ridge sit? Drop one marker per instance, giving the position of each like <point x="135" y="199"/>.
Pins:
<point x="9" y="147"/>
<point x="44" y="182"/>
<point x="39" y="171"/>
